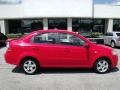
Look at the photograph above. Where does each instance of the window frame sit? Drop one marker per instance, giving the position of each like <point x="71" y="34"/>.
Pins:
<point x="33" y="38"/>
<point x="71" y="44"/>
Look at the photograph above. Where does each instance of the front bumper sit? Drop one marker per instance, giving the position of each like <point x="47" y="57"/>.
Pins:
<point x="114" y="61"/>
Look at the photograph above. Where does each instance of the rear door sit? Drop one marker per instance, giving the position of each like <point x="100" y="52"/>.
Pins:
<point x="108" y="37"/>
<point x="47" y="49"/>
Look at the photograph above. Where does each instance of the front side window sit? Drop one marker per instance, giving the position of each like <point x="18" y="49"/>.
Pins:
<point x="67" y="39"/>
<point x="45" y="38"/>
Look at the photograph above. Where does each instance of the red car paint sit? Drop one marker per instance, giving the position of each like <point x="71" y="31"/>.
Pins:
<point x="57" y="55"/>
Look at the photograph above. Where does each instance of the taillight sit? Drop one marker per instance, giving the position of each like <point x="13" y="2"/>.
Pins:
<point x="119" y="39"/>
<point x="7" y="44"/>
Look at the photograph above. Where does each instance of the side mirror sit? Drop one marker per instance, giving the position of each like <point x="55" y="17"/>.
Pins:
<point x="87" y="45"/>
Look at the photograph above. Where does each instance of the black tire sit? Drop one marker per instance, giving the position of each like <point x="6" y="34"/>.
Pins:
<point x="102" y="66"/>
<point x="113" y="45"/>
<point x="30" y="66"/>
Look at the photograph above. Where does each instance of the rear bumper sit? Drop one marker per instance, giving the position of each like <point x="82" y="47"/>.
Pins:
<point x="10" y="58"/>
<point x="118" y="43"/>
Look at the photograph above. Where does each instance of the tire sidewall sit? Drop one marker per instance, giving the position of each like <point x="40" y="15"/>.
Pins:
<point x="37" y="66"/>
<point x="113" y="43"/>
<point x="95" y="66"/>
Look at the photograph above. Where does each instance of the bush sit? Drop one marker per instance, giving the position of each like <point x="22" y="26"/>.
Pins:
<point x="96" y="34"/>
<point x="18" y="35"/>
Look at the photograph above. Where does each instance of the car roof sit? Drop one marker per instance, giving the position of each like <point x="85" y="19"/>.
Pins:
<point x="54" y="30"/>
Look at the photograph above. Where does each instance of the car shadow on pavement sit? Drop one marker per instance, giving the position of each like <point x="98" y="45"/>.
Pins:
<point x="62" y="70"/>
<point x="115" y="69"/>
<point x="117" y="48"/>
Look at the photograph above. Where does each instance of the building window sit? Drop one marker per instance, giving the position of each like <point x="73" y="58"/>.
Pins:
<point x="99" y="25"/>
<point x="57" y="24"/>
<point x="88" y="25"/>
<point x="116" y="25"/>
<point x="82" y="25"/>
<point x="24" y="26"/>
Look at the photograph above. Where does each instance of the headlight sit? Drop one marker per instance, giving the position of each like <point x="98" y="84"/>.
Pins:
<point x="114" y="52"/>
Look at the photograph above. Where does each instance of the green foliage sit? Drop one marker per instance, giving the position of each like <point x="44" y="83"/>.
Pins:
<point x="18" y="35"/>
<point x="96" y="34"/>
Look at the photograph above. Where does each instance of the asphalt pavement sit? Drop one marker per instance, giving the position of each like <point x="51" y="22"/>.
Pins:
<point x="12" y="78"/>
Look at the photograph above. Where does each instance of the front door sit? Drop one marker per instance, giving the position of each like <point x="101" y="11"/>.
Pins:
<point x="73" y="53"/>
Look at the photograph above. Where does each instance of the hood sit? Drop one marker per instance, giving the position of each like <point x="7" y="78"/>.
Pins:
<point x="102" y="47"/>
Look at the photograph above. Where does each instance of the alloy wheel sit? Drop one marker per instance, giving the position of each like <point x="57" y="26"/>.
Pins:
<point x="102" y="66"/>
<point x="30" y="66"/>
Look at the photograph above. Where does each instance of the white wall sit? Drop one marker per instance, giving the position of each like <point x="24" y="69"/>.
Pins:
<point x="110" y="25"/>
<point x="47" y="8"/>
<point x="106" y="11"/>
<point x="2" y="26"/>
<point x="11" y="11"/>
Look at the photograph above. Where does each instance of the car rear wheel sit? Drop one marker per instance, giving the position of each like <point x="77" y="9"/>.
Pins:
<point x="30" y="66"/>
<point x="112" y="44"/>
<point x="102" y="66"/>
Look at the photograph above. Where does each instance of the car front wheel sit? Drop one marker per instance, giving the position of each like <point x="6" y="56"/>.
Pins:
<point x="102" y="66"/>
<point x="30" y="66"/>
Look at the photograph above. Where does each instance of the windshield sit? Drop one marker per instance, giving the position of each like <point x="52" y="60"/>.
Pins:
<point x="118" y="34"/>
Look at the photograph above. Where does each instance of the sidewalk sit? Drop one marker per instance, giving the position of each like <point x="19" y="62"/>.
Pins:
<point x="2" y="51"/>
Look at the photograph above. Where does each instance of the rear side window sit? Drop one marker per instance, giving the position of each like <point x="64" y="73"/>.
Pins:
<point x="118" y="34"/>
<point x="67" y="39"/>
<point x="45" y="38"/>
<point x="109" y="34"/>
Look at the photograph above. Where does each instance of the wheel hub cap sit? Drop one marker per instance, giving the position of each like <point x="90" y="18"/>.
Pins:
<point x="29" y="66"/>
<point x="102" y="66"/>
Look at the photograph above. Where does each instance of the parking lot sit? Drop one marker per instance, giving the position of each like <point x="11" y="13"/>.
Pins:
<point x="12" y="78"/>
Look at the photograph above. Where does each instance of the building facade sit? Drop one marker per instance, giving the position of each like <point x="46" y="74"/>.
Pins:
<point x="81" y="16"/>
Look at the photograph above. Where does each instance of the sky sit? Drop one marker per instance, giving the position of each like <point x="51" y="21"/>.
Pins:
<point x="105" y="1"/>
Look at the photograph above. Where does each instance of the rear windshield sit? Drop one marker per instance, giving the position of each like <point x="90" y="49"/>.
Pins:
<point x="118" y="34"/>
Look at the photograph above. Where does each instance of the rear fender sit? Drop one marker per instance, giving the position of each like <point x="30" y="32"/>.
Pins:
<point x="24" y="55"/>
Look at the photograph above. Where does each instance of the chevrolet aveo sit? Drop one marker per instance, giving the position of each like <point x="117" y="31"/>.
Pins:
<point x="59" y="49"/>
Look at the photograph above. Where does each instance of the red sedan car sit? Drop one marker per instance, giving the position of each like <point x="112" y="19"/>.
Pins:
<point x="59" y="49"/>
